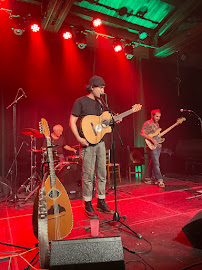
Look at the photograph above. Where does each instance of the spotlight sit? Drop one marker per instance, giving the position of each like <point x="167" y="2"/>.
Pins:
<point x="142" y="35"/>
<point x="18" y="29"/>
<point x="80" y="38"/>
<point x="35" y="28"/>
<point x="129" y="51"/>
<point x="97" y="22"/>
<point x="67" y="35"/>
<point x="117" y="46"/>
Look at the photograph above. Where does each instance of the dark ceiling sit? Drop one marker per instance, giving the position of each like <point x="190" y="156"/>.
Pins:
<point x="171" y="25"/>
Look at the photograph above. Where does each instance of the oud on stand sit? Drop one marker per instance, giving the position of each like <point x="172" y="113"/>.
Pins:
<point x="32" y="182"/>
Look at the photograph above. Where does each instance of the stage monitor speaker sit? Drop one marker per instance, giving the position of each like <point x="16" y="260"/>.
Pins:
<point x="87" y="254"/>
<point x="193" y="230"/>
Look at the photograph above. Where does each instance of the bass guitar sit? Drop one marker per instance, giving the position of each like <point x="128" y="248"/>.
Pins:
<point x="58" y="213"/>
<point x="158" y="134"/>
<point x="95" y="127"/>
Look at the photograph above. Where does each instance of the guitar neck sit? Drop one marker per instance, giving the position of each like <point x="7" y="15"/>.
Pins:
<point x="51" y="161"/>
<point x="124" y="114"/>
<point x="167" y="130"/>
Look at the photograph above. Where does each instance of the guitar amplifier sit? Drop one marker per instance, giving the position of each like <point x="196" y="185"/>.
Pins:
<point x="87" y="254"/>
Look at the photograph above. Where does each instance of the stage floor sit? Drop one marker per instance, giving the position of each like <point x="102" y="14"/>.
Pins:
<point x="157" y="214"/>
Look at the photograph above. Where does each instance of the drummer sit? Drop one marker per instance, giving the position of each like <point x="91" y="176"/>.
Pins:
<point x="58" y="139"/>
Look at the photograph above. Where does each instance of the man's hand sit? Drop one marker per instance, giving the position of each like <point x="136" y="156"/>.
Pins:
<point x="154" y="141"/>
<point x="83" y="142"/>
<point x="120" y="120"/>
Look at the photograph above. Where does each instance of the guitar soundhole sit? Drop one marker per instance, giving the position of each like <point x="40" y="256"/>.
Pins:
<point x="54" y="193"/>
<point x="105" y="123"/>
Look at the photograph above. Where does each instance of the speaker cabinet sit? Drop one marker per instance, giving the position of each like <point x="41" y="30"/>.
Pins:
<point x="87" y="254"/>
<point x="193" y="230"/>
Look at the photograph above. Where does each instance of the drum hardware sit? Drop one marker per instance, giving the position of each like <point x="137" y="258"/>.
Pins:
<point x="32" y="182"/>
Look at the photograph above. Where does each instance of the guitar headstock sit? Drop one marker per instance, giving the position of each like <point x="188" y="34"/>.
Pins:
<point x="44" y="128"/>
<point x="137" y="107"/>
<point x="180" y="120"/>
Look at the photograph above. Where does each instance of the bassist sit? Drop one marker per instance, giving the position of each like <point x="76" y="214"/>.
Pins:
<point x="149" y="127"/>
<point x="93" y="156"/>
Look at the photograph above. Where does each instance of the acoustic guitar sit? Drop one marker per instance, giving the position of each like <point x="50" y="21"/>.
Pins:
<point x="95" y="127"/>
<point x="58" y="212"/>
<point x="158" y="134"/>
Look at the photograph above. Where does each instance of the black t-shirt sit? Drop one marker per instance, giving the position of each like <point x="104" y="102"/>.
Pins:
<point x="59" y="148"/>
<point x="87" y="106"/>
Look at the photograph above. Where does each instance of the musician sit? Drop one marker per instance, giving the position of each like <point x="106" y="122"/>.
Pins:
<point x="153" y="171"/>
<point x="58" y="139"/>
<point x="93" y="156"/>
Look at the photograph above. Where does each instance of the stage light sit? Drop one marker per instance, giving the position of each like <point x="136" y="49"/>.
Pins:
<point x="117" y="46"/>
<point x="80" y="38"/>
<point x="67" y="35"/>
<point x="129" y="51"/>
<point x="35" y="28"/>
<point x="18" y="24"/>
<point x="97" y="22"/>
<point x="18" y="29"/>
<point x="142" y="35"/>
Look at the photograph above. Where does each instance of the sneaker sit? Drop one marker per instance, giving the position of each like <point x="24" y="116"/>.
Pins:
<point x="89" y="211"/>
<point x="148" y="181"/>
<point x="161" y="185"/>
<point x="103" y="207"/>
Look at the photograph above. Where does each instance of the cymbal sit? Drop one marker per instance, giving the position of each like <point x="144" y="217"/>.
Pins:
<point x="35" y="150"/>
<point x="31" y="132"/>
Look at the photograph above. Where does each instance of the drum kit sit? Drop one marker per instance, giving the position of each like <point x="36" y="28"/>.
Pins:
<point x="68" y="171"/>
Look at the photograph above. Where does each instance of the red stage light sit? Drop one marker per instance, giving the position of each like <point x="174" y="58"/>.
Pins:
<point x="35" y="27"/>
<point x="118" y="48"/>
<point x="67" y="35"/>
<point x="97" y="22"/>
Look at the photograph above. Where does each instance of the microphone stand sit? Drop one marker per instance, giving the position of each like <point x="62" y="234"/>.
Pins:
<point x="197" y="116"/>
<point x="116" y="216"/>
<point x="13" y="104"/>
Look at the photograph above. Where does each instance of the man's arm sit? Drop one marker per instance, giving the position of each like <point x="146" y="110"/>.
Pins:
<point x="73" y="126"/>
<point x="69" y="148"/>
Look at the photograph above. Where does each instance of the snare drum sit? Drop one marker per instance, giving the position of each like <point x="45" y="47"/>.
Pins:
<point x="69" y="173"/>
<point x="74" y="159"/>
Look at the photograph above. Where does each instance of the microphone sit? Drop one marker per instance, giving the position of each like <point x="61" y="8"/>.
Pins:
<point x="23" y="92"/>
<point x="184" y="110"/>
<point x="102" y="94"/>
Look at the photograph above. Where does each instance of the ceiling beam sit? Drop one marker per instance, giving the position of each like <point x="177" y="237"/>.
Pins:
<point x="108" y="20"/>
<point x="62" y="14"/>
<point x="50" y="12"/>
<point x="176" y="19"/>
<point x="180" y="42"/>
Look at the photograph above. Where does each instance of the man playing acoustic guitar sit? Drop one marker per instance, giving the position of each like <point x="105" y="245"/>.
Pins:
<point x="153" y="170"/>
<point x="93" y="155"/>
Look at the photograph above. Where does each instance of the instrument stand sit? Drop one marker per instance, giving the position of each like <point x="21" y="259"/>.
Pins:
<point x="13" y="104"/>
<point x="116" y="216"/>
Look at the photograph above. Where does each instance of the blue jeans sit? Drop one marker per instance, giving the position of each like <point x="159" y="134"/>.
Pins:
<point x="154" y="165"/>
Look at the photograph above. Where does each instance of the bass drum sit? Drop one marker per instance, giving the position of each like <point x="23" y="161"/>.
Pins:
<point x="69" y="174"/>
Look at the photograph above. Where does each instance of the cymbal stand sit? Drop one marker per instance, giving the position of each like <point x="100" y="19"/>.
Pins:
<point x="31" y="182"/>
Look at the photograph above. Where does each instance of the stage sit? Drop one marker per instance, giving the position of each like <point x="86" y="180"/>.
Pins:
<point x="157" y="214"/>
